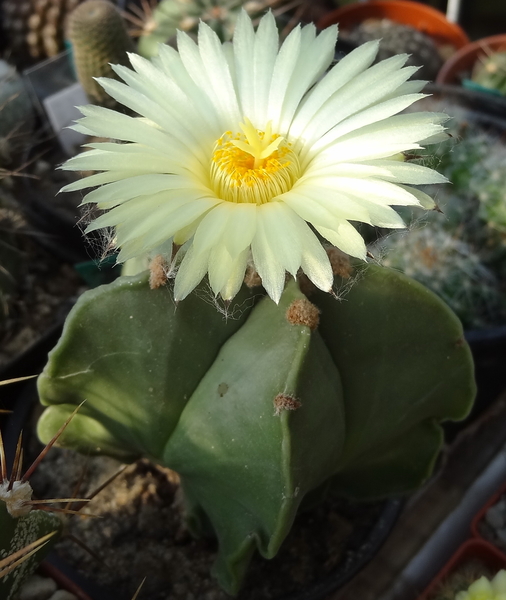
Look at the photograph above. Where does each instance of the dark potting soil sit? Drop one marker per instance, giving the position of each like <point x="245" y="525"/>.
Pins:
<point x="138" y="532"/>
<point x="44" y="291"/>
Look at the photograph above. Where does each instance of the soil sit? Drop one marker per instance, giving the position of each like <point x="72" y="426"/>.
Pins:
<point x="138" y="532"/>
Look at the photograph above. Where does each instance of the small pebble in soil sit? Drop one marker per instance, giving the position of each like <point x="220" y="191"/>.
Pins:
<point x="37" y="588"/>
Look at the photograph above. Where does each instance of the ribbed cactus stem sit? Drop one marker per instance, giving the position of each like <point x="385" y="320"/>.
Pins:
<point x="99" y="38"/>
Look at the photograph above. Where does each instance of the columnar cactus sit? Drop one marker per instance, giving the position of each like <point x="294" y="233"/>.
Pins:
<point x="276" y="398"/>
<point x="34" y="28"/>
<point x="98" y="37"/>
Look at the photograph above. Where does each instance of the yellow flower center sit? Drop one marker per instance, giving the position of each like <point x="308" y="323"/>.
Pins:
<point x="253" y="166"/>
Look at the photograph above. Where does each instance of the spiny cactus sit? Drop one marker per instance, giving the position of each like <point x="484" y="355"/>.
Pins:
<point x="397" y="39"/>
<point x="23" y="524"/>
<point x="450" y="268"/>
<point x="98" y="37"/>
<point x="160" y="24"/>
<point x="490" y="72"/>
<point x="34" y="28"/>
<point x="256" y="411"/>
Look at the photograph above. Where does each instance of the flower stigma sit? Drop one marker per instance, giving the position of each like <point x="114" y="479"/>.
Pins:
<point x="253" y="166"/>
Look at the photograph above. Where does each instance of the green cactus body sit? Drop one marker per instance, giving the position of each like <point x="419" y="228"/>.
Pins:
<point x="98" y="37"/>
<point x="490" y="72"/>
<point x="257" y="411"/>
<point x="19" y="527"/>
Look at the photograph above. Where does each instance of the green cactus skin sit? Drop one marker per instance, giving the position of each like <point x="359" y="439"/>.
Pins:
<point x="18" y="532"/>
<point x="98" y="37"/>
<point x="210" y="398"/>
<point x="490" y="72"/>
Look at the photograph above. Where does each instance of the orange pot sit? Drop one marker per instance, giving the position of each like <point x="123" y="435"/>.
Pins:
<point x="462" y="62"/>
<point x="426" y="19"/>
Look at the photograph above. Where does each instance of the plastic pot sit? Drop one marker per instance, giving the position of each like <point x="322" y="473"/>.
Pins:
<point x="471" y="550"/>
<point x="461" y="64"/>
<point x="426" y="19"/>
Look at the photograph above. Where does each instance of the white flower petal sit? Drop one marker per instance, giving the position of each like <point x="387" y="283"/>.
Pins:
<point x="126" y="157"/>
<point x="346" y="238"/>
<point x="266" y="263"/>
<point x="241" y="227"/>
<point x="276" y="222"/>
<point x="264" y="58"/>
<point x="221" y="266"/>
<point x="373" y="114"/>
<point x="315" y="56"/>
<point x="365" y="90"/>
<point x="214" y="61"/>
<point x="211" y="228"/>
<point x="191" y="271"/>
<point x="344" y="71"/>
<point x="236" y="276"/>
<point x="118" y="192"/>
<point x="284" y="66"/>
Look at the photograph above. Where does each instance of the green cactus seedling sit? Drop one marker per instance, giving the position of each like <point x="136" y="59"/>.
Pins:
<point x="258" y="411"/>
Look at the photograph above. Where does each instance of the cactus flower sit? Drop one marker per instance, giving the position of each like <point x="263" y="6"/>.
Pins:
<point x="245" y="151"/>
<point x="485" y="589"/>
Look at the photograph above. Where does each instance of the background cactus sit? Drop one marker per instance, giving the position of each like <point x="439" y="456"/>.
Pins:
<point x="490" y="72"/>
<point x="397" y="39"/>
<point x="468" y="242"/>
<point x="17" y="117"/>
<point x="450" y="268"/>
<point x="160" y="24"/>
<point x="34" y="28"/>
<point x="98" y="37"/>
<point x="22" y="525"/>
<point x="259" y="409"/>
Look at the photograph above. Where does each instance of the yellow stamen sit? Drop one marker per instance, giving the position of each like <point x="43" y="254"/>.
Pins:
<point x="254" y="166"/>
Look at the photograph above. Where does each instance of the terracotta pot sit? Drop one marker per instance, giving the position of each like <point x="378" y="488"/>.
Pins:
<point x="462" y="62"/>
<point x="426" y="19"/>
<point x="473" y="549"/>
